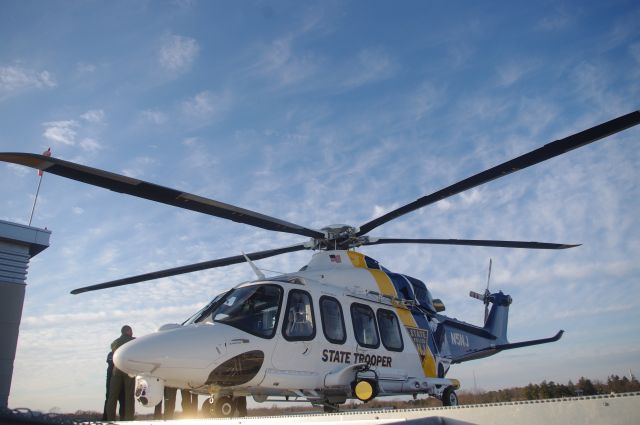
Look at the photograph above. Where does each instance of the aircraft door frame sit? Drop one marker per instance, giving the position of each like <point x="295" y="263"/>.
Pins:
<point x="296" y="351"/>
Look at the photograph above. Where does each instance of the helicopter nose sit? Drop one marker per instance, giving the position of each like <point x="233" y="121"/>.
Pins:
<point x="169" y="349"/>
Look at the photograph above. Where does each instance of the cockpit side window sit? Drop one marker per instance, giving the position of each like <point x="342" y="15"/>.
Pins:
<point x="389" y="330"/>
<point x="422" y="294"/>
<point x="299" y="323"/>
<point x="332" y="320"/>
<point x="364" y="325"/>
<point x="253" y="309"/>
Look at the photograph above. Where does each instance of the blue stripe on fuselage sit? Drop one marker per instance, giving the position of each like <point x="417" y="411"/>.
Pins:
<point x="405" y="291"/>
<point x="371" y="263"/>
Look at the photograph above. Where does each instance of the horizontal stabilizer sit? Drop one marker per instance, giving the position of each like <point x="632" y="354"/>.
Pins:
<point x="495" y="348"/>
<point x="528" y="343"/>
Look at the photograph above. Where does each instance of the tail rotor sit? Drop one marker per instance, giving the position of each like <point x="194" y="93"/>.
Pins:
<point x="484" y="297"/>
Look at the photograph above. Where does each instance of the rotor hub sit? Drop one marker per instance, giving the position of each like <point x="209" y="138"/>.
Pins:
<point x="337" y="236"/>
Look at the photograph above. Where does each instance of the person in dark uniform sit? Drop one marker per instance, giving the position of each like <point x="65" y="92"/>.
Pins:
<point x="189" y="404"/>
<point x="169" y="402"/>
<point x="120" y="381"/>
<point x="120" y="396"/>
<point x="157" y="411"/>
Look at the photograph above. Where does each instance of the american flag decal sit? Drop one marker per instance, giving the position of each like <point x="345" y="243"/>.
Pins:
<point x="335" y="258"/>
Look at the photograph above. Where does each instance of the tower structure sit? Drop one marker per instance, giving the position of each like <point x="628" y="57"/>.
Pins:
<point x="18" y="243"/>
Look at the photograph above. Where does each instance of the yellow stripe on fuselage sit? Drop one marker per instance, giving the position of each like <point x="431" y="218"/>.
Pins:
<point x="357" y="259"/>
<point x="386" y="287"/>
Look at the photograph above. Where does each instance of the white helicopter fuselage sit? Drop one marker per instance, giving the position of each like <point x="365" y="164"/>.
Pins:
<point x="309" y="334"/>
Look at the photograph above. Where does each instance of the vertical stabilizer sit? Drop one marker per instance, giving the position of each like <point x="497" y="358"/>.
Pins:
<point x="498" y="317"/>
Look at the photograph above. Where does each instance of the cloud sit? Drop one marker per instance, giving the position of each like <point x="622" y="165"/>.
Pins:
<point x="178" y="53"/>
<point x="198" y="155"/>
<point x="279" y="63"/>
<point x="623" y="30"/>
<point x="83" y="68"/>
<point x="459" y="55"/>
<point x="512" y="72"/>
<point x="184" y="4"/>
<point x="284" y="61"/>
<point x="154" y="117"/>
<point x="17" y="78"/>
<point x="590" y="311"/>
<point x="19" y="169"/>
<point x="371" y="65"/>
<point x="557" y="21"/>
<point x="426" y="97"/>
<point x="277" y="54"/>
<point x="592" y="82"/>
<point x="634" y="51"/>
<point x="61" y="132"/>
<point x="72" y="132"/>
<point x="137" y="167"/>
<point x="90" y="145"/>
<point x="205" y="107"/>
<point x="57" y="319"/>
<point x="95" y="116"/>
<point x="482" y="107"/>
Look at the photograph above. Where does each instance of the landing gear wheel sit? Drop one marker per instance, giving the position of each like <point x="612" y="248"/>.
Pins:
<point x="330" y="407"/>
<point x="223" y="407"/>
<point x="241" y="406"/>
<point x="449" y="397"/>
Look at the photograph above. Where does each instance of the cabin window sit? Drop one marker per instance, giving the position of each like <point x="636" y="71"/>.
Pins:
<point x="364" y="325"/>
<point x="332" y="320"/>
<point x="299" y="321"/>
<point x="253" y="309"/>
<point x="390" y="330"/>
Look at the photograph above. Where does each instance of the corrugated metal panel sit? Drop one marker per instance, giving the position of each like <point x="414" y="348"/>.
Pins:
<point x="14" y="261"/>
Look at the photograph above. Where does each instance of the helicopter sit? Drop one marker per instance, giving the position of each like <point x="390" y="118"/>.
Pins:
<point x="342" y="327"/>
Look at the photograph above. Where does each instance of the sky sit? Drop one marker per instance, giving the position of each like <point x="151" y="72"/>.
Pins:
<point x="320" y="113"/>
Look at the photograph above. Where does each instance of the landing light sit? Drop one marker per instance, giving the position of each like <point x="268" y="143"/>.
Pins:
<point x="365" y="390"/>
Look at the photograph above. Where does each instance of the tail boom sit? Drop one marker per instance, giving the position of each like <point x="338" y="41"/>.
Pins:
<point x="460" y="341"/>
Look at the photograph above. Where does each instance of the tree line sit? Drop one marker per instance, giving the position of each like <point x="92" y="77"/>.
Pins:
<point x="550" y="389"/>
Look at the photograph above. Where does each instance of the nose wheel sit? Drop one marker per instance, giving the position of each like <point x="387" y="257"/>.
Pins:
<point x="449" y="397"/>
<point x="225" y="407"/>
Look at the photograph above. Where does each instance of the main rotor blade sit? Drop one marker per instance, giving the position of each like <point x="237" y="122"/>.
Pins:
<point x="536" y="156"/>
<point x="153" y="192"/>
<point x="211" y="264"/>
<point x="473" y="242"/>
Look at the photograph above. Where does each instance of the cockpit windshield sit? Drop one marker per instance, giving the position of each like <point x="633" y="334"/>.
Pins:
<point x="204" y="314"/>
<point x="253" y="309"/>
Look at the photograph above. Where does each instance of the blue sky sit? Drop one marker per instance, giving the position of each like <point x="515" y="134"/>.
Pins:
<point x="320" y="113"/>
